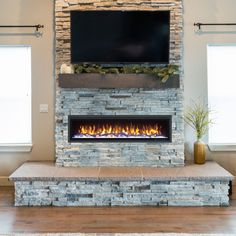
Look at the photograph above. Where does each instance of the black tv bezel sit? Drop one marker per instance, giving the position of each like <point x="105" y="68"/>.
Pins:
<point x="119" y="63"/>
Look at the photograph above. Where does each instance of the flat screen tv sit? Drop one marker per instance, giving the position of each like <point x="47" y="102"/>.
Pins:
<point x="114" y="37"/>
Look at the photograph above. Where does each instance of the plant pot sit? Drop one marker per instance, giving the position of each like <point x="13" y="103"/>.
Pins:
<point x="199" y="152"/>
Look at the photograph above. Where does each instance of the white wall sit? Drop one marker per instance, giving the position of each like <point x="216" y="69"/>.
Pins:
<point x="195" y="67"/>
<point x="14" y="12"/>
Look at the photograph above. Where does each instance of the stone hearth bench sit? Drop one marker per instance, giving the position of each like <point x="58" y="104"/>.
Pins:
<point x="44" y="184"/>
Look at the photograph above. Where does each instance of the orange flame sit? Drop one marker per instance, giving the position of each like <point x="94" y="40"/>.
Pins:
<point x="120" y="129"/>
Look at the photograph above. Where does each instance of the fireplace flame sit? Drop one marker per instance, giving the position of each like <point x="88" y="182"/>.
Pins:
<point x="119" y="130"/>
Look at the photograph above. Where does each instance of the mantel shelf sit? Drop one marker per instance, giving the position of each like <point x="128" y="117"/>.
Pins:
<point x="93" y="80"/>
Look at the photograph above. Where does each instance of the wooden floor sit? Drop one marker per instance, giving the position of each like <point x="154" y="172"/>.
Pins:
<point x="114" y="219"/>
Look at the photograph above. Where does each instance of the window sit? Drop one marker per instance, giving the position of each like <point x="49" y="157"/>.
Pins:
<point x="15" y="96"/>
<point x="221" y="61"/>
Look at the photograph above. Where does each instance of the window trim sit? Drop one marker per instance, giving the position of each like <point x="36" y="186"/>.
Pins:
<point x="220" y="147"/>
<point x="217" y="147"/>
<point x="16" y="147"/>
<point x="21" y="147"/>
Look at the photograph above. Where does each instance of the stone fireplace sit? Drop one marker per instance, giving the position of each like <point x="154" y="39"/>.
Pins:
<point x="122" y="102"/>
<point x="118" y="136"/>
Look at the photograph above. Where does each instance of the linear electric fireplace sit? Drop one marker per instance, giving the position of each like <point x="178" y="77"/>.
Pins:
<point x="119" y="128"/>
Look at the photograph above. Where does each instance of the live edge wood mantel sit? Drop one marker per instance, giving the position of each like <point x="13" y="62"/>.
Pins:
<point x="93" y="80"/>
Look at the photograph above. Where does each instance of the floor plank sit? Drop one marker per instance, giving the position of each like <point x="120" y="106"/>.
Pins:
<point x="114" y="219"/>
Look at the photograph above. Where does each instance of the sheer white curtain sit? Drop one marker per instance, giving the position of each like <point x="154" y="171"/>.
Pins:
<point x="15" y="95"/>
<point x="222" y="93"/>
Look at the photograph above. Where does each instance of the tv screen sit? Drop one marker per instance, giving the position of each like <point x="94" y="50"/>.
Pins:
<point x="106" y="37"/>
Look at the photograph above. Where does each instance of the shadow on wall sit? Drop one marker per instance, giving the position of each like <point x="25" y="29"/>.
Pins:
<point x="188" y="153"/>
<point x="36" y="34"/>
<point x="213" y="32"/>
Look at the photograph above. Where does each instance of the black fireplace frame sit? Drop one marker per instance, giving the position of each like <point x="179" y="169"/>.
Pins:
<point x="166" y="118"/>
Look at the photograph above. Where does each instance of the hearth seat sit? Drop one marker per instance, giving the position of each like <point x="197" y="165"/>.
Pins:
<point x="44" y="184"/>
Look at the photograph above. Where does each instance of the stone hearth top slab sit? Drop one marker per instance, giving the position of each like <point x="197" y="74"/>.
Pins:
<point x="48" y="171"/>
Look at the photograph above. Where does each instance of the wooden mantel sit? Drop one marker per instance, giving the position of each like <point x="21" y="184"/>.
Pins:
<point x="92" y="80"/>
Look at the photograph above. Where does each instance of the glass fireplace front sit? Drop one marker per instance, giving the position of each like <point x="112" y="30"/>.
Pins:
<point x="119" y="128"/>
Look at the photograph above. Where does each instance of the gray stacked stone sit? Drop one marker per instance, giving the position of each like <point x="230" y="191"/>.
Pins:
<point x="122" y="193"/>
<point x="119" y="102"/>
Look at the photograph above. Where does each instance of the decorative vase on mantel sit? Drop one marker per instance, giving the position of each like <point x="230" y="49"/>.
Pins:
<point x="199" y="152"/>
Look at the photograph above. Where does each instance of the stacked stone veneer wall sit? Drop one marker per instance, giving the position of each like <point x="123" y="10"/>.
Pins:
<point x="106" y="193"/>
<point x="76" y="101"/>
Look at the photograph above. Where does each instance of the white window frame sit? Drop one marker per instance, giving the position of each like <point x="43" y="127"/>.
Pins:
<point x="218" y="146"/>
<point x="20" y="147"/>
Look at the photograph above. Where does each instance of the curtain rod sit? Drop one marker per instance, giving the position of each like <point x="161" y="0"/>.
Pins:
<point x="37" y="27"/>
<point x="202" y="24"/>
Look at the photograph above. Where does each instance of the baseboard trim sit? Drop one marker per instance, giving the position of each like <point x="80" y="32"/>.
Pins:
<point x="4" y="181"/>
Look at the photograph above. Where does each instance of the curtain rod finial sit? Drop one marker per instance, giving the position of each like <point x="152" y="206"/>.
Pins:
<point x="39" y="26"/>
<point x="198" y="25"/>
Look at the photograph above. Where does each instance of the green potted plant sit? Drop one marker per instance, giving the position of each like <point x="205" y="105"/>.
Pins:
<point x="163" y="73"/>
<point x="197" y="117"/>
